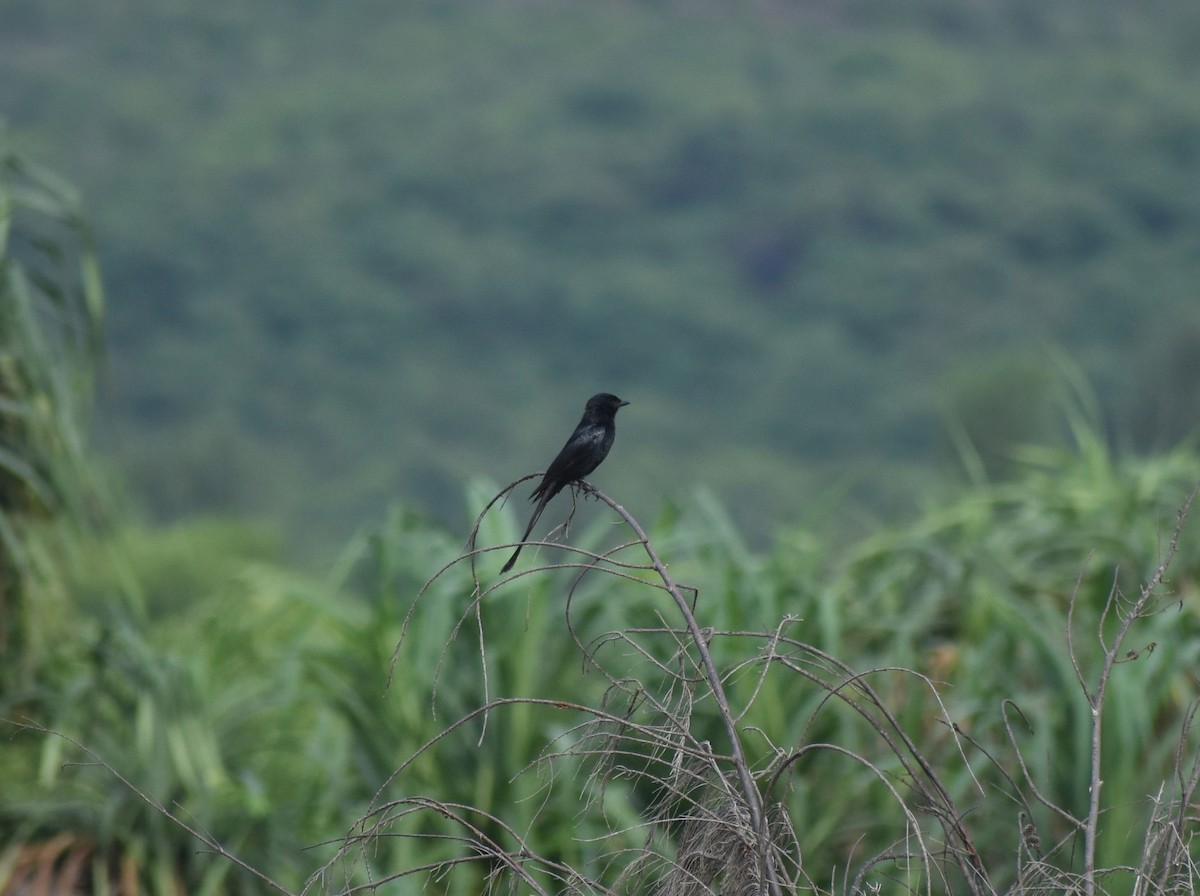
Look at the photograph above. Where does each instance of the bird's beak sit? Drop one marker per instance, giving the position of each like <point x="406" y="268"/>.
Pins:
<point x="622" y="404"/>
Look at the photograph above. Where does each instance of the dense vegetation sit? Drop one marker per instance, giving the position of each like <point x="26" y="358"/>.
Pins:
<point x="50" y="315"/>
<point x="256" y="705"/>
<point x="940" y="676"/>
<point x="356" y="252"/>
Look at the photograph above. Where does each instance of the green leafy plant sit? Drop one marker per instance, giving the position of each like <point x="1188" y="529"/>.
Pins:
<point x="50" y="312"/>
<point x="975" y="724"/>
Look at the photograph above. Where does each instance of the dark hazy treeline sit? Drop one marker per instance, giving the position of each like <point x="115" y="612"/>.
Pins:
<point x="357" y="252"/>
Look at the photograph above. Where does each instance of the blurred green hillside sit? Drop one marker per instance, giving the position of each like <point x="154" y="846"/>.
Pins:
<point x="1001" y="653"/>
<point x="360" y="251"/>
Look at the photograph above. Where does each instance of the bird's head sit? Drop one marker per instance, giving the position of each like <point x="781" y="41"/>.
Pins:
<point x="605" y="404"/>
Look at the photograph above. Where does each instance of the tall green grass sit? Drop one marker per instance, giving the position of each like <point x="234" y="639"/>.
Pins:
<point x="50" y="312"/>
<point x="277" y="715"/>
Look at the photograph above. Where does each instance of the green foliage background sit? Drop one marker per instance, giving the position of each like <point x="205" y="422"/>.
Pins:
<point x="360" y="251"/>
<point x="834" y="253"/>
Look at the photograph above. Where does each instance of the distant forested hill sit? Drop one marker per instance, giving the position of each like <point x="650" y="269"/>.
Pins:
<point x="360" y="251"/>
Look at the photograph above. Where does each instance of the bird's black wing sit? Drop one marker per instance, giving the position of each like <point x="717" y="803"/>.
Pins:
<point x="582" y="454"/>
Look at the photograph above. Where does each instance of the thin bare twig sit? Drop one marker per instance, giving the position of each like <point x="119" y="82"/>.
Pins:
<point x="1140" y="607"/>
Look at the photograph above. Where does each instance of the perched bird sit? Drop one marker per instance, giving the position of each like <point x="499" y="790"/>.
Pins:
<point x="588" y="446"/>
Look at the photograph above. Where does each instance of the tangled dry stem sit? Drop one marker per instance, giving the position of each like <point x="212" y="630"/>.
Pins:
<point x="720" y="821"/>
